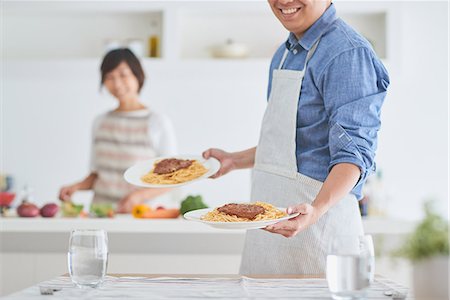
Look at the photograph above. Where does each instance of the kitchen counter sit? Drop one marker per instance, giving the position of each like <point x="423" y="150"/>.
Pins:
<point x="143" y="286"/>
<point x="128" y="224"/>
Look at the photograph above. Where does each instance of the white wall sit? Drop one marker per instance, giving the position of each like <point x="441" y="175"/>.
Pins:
<point x="413" y="146"/>
<point x="48" y="108"/>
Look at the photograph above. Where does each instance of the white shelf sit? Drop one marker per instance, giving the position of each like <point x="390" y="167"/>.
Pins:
<point x="256" y="28"/>
<point x="187" y="29"/>
<point x="76" y="34"/>
<point x="127" y="224"/>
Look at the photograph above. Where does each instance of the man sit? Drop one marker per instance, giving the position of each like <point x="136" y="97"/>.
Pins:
<point x="318" y="139"/>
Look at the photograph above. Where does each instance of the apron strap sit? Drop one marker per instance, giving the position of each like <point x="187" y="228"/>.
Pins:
<point x="283" y="59"/>
<point x="308" y="56"/>
<point x="311" y="53"/>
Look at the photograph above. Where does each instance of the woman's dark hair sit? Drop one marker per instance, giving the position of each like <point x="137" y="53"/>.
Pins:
<point x="114" y="57"/>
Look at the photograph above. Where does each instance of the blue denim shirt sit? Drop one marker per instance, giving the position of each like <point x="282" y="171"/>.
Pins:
<point x="342" y="93"/>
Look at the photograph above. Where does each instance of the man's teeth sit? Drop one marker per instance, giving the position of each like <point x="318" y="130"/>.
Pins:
<point x="289" y="11"/>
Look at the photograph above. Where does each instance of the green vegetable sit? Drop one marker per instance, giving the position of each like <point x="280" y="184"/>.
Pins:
<point x="102" y="210"/>
<point x="192" y="203"/>
<point x="429" y="239"/>
<point x="69" y="209"/>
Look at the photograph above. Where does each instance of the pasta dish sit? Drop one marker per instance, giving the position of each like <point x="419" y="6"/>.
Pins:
<point x="246" y="212"/>
<point x="172" y="171"/>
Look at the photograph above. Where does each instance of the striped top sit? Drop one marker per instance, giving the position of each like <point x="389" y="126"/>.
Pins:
<point x="121" y="139"/>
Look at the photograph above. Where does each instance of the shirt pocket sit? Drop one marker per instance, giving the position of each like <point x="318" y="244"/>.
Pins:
<point x="339" y="138"/>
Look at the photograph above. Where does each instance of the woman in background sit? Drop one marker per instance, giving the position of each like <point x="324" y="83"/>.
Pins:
<point x="121" y="137"/>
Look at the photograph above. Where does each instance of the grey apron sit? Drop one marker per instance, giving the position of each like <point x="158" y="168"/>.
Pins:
<point x="275" y="180"/>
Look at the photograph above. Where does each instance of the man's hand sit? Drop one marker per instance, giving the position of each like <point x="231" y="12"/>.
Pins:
<point x="226" y="161"/>
<point x="231" y="161"/>
<point x="289" y="228"/>
<point x="339" y="183"/>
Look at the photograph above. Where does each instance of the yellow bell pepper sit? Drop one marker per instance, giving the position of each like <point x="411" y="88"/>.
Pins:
<point x="140" y="210"/>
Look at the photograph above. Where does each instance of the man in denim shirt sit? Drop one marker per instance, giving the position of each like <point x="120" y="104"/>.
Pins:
<point x="318" y="138"/>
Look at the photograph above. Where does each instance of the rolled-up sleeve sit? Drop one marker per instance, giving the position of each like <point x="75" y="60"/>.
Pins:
<point x="354" y="87"/>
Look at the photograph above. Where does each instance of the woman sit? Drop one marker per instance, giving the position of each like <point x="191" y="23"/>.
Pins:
<point x="121" y="137"/>
<point x="318" y="139"/>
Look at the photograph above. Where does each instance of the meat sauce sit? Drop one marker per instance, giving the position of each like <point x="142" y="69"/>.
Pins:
<point x="248" y="211"/>
<point x="170" y="165"/>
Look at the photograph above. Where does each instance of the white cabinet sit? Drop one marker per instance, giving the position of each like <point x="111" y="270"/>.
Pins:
<point x="184" y="30"/>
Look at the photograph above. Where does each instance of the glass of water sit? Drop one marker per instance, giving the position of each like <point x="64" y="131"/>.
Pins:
<point x="88" y="257"/>
<point x="350" y="266"/>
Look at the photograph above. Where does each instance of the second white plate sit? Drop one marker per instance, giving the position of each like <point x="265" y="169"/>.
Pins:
<point x="134" y="174"/>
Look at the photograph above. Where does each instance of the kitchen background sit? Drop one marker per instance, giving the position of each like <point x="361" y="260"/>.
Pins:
<point x="51" y="52"/>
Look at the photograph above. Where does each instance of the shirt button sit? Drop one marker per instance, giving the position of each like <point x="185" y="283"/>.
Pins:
<point x="295" y="51"/>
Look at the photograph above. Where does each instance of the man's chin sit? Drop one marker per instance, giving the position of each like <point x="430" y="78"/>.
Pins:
<point x="295" y="29"/>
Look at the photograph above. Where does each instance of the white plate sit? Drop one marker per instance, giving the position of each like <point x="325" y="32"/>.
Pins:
<point x="195" y="215"/>
<point x="133" y="174"/>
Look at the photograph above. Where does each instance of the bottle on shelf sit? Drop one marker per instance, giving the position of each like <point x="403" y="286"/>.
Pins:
<point x="153" y="46"/>
<point x="154" y="41"/>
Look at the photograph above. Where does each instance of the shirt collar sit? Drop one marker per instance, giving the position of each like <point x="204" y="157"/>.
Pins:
<point x="315" y="31"/>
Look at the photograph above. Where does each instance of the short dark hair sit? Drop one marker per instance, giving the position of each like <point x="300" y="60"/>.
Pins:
<point x="114" y="57"/>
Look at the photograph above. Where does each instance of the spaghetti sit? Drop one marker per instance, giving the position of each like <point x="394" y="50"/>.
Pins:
<point x="194" y="171"/>
<point x="270" y="213"/>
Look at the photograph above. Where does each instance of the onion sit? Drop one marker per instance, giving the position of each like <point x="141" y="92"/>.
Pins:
<point x="28" y="210"/>
<point x="49" y="210"/>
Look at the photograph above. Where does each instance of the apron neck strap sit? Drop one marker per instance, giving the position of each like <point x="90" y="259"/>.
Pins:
<point x="283" y="59"/>
<point x="308" y="56"/>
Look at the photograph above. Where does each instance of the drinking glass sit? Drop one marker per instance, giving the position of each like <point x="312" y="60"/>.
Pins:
<point x="88" y="257"/>
<point x="350" y="266"/>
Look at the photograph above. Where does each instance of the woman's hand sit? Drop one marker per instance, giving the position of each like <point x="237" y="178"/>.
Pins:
<point x="226" y="159"/>
<point x="289" y="228"/>
<point x="66" y="192"/>
<point x="127" y="203"/>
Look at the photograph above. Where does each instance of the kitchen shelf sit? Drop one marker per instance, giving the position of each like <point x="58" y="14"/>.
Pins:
<point x="186" y="29"/>
<point x="67" y="34"/>
<point x="128" y="224"/>
<point x="254" y="27"/>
